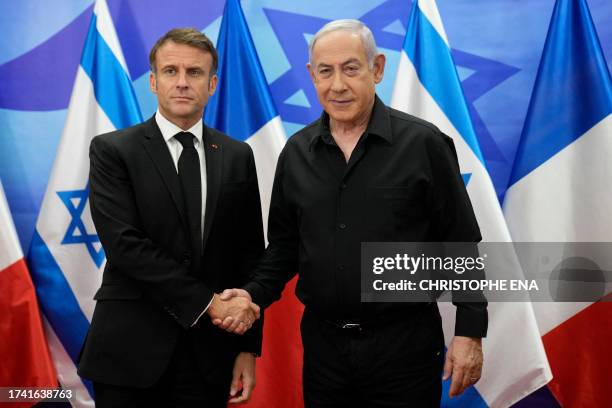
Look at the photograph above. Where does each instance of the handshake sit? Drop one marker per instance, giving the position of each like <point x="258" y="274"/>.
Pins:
<point x="233" y="311"/>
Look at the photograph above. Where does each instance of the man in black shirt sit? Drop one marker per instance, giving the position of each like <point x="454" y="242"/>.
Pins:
<point x="364" y="172"/>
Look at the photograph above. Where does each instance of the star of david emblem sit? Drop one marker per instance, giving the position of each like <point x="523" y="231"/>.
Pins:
<point x="75" y="202"/>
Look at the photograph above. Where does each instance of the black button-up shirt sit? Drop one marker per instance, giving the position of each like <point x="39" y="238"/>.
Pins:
<point x="401" y="183"/>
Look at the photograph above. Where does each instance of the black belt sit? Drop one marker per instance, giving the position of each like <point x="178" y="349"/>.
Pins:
<point x="391" y="316"/>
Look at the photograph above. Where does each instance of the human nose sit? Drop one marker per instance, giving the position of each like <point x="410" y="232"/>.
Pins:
<point x="182" y="80"/>
<point x="337" y="84"/>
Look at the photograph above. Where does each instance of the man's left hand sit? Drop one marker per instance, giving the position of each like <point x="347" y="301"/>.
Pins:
<point x="464" y="363"/>
<point x="243" y="378"/>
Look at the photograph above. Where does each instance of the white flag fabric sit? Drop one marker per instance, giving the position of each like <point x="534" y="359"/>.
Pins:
<point x="66" y="257"/>
<point x="427" y="86"/>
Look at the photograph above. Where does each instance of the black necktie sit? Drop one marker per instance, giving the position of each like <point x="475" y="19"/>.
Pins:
<point x="189" y="174"/>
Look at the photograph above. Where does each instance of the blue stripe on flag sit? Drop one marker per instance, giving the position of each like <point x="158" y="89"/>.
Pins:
<point x="572" y="92"/>
<point x="56" y="299"/>
<point x="242" y="104"/>
<point x="112" y="86"/>
<point x="470" y="398"/>
<point x="436" y="70"/>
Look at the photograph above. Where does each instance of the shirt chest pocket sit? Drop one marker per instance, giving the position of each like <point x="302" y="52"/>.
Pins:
<point x="401" y="202"/>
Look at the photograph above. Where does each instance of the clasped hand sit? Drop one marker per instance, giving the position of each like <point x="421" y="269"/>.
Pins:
<point x="233" y="311"/>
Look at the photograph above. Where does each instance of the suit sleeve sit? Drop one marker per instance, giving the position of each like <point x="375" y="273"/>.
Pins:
<point x="454" y="221"/>
<point x="128" y="248"/>
<point x="252" y="246"/>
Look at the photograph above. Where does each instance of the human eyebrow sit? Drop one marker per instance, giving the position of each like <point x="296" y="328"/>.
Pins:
<point x="351" y="61"/>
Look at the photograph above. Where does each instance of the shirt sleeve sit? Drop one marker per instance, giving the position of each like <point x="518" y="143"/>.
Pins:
<point x="279" y="262"/>
<point x="454" y="221"/>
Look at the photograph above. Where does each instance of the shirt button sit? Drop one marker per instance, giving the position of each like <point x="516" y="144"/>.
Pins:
<point x="342" y="186"/>
<point x="342" y="226"/>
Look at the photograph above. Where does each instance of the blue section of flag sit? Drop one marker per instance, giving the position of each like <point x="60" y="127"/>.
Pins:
<point x="242" y="103"/>
<point x="112" y="86"/>
<point x="470" y="398"/>
<point x="77" y="232"/>
<point x="56" y="299"/>
<point x="572" y="92"/>
<point x="436" y="70"/>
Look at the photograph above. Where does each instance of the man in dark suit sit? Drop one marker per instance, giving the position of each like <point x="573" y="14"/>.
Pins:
<point x="176" y="205"/>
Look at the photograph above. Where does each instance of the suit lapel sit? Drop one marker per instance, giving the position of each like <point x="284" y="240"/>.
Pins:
<point x="214" y="165"/>
<point x="156" y="147"/>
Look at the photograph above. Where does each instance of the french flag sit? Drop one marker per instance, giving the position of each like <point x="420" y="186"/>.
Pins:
<point x="66" y="257"/>
<point x="427" y="86"/>
<point x="560" y="191"/>
<point x="23" y="347"/>
<point x="243" y="108"/>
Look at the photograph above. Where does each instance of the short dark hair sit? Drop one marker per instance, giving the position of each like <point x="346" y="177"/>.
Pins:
<point x="187" y="36"/>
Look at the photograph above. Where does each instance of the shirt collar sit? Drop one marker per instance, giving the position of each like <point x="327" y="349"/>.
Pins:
<point x="379" y="125"/>
<point x="169" y="129"/>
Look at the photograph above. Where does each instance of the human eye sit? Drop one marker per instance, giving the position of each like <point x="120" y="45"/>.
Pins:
<point x="196" y="72"/>
<point x="324" y="72"/>
<point x="351" y="69"/>
<point x="169" y="70"/>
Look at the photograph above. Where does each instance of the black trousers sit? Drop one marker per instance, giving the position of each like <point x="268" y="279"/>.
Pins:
<point x="390" y="364"/>
<point x="181" y="385"/>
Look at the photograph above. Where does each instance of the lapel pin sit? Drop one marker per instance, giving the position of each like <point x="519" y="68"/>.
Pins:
<point x="214" y="146"/>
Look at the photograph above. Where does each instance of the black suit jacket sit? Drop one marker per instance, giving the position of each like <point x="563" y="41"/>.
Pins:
<point x="158" y="279"/>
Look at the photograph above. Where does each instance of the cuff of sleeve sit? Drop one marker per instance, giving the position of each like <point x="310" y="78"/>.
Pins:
<point x="203" y="311"/>
<point x="257" y="294"/>
<point x="250" y="342"/>
<point x="471" y="321"/>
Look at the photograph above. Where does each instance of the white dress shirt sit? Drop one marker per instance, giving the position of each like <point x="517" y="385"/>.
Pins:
<point x="168" y="130"/>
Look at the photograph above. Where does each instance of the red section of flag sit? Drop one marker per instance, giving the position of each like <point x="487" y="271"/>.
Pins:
<point x="579" y="354"/>
<point x="279" y="370"/>
<point x="24" y="355"/>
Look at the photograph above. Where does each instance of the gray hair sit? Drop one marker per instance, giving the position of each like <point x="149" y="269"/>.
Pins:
<point x="353" y="27"/>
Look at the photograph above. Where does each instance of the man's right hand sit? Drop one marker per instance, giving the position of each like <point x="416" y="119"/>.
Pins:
<point x="238" y="311"/>
<point x="229" y="323"/>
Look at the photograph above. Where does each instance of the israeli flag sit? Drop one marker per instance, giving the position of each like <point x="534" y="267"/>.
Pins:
<point x="427" y="86"/>
<point x="66" y="258"/>
<point x="242" y="106"/>
<point x="560" y="191"/>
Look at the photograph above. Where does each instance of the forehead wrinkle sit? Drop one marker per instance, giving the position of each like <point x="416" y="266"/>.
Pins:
<point x="350" y="60"/>
<point x="177" y="61"/>
<point x="173" y="53"/>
